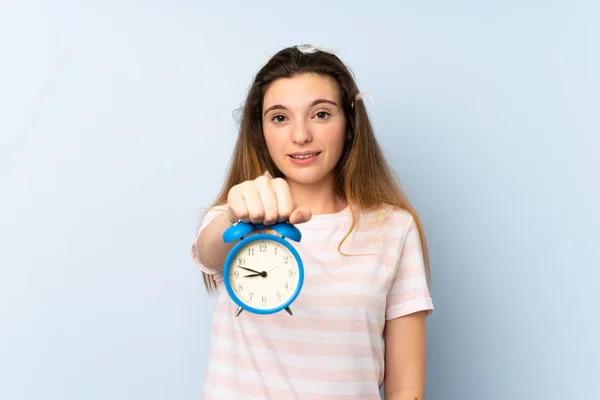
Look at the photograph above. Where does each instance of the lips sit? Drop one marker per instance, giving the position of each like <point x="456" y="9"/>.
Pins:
<point x="304" y="155"/>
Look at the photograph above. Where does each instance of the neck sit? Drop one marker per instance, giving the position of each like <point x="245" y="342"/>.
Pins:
<point x="319" y="197"/>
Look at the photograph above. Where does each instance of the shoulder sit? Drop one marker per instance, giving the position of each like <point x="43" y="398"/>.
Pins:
<point x="389" y="217"/>
<point x="218" y="208"/>
<point x="215" y="210"/>
<point x="385" y="227"/>
<point x="211" y="213"/>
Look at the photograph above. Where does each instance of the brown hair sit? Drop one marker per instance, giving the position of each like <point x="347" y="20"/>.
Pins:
<point x="364" y="180"/>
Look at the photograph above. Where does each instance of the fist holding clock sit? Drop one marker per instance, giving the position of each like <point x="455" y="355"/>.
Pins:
<point x="263" y="273"/>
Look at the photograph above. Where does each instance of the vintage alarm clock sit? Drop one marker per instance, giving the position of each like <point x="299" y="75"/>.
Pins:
<point x="263" y="273"/>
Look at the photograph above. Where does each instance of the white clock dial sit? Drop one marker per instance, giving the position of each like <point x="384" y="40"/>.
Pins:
<point x="264" y="274"/>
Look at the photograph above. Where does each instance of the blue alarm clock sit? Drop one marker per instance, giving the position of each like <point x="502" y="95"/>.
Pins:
<point x="263" y="273"/>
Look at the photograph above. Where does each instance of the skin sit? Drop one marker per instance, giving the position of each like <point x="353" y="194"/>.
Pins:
<point x="405" y="356"/>
<point x="303" y="113"/>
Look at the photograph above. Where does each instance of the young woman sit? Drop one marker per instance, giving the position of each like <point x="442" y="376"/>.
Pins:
<point x="307" y="154"/>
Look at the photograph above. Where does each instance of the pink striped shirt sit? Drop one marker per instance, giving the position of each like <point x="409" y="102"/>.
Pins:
<point x="333" y="346"/>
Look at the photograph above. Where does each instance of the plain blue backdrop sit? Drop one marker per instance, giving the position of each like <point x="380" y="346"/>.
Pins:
<point x="116" y="125"/>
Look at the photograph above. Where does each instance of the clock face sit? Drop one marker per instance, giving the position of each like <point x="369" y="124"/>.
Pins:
<point x="264" y="274"/>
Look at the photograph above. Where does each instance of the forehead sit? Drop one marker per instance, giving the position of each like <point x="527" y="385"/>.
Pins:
<point x="300" y="90"/>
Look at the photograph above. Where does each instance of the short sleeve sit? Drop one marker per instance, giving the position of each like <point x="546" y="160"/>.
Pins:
<point x="409" y="291"/>
<point x="210" y="215"/>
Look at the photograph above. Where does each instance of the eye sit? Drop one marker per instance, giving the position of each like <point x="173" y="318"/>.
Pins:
<point x="278" y="118"/>
<point x="322" y="115"/>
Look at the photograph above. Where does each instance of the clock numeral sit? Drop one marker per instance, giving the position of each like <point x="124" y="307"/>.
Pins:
<point x="278" y="296"/>
<point x="275" y="250"/>
<point x="263" y="248"/>
<point x="241" y="287"/>
<point x="236" y="274"/>
<point x="285" y="259"/>
<point x="251" y="294"/>
<point x="287" y="285"/>
<point x="251" y="251"/>
<point x="264" y="299"/>
<point x="291" y="272"/>
<point x="241" y="261"/>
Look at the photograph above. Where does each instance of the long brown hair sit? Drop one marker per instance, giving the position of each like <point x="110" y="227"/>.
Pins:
<point x="364" y="180"/>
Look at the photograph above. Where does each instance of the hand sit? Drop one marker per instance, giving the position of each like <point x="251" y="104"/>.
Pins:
<point x="262" y="273"/>
<point x="265" y="200"/>
<point x="248" y="269"/>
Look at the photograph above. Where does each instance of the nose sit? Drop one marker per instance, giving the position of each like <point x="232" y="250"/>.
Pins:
<point x="301" y="133"/>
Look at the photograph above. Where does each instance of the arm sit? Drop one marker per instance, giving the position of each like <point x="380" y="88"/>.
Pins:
<point x="408" y="305"/>
<point x="209" y="247"/>
<point x="405" y="357"/>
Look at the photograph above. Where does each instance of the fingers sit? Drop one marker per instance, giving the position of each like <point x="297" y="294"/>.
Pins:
<point x="300" y="215"/>
<point x="236" y="205"/>
<point x="264" y="200"/>
<point x="254" y="205"/>
<point x="285" y="204"/>
<point x="248" y="201"/>
<point x="268" y="197"/>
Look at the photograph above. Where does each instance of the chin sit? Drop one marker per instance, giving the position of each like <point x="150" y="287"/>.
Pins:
<point x="307" y="178"/>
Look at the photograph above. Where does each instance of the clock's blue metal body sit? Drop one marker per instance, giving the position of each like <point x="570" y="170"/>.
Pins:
<point x="239" y="231"/>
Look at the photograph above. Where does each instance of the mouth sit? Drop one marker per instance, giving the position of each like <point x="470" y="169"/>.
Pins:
<point x="304" y="156"/>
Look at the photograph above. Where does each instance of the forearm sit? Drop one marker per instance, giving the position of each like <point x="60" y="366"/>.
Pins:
<point x="405" y="395"/>
<point x="211" y="249"/>
<point x="405" y="357"/>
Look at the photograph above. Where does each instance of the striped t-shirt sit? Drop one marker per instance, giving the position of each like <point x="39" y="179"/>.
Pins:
<point x="332" y="347"/>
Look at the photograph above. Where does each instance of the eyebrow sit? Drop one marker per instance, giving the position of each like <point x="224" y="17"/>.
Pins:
<point x="314" y="103"/>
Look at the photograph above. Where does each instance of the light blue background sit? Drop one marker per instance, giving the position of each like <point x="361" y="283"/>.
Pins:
<point x="116" y="127"/>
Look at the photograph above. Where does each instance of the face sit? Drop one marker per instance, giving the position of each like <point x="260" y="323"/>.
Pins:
<point x="304" y="127"/>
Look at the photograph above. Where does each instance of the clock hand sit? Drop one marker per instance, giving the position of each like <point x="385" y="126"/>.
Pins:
<point x="263" y="274"/>
<point x="248" y="269"/>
